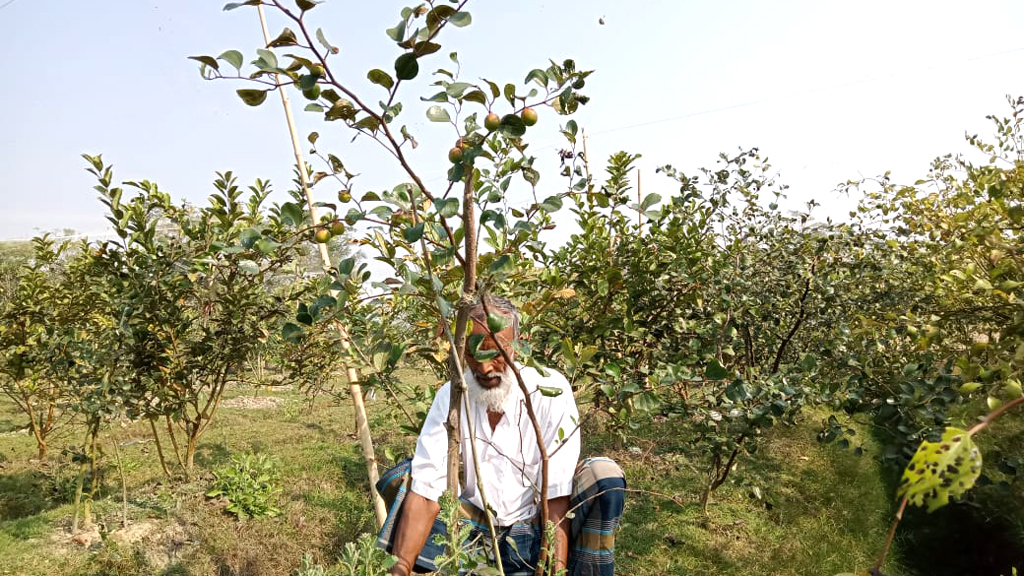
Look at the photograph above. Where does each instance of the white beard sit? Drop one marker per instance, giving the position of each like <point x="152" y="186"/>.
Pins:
<point x="491" y="398"/>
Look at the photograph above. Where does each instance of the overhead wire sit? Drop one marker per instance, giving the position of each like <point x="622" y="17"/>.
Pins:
<point x="869" y="79"/>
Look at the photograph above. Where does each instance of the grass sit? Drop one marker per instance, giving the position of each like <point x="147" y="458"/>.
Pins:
<point x="821" y="510"/>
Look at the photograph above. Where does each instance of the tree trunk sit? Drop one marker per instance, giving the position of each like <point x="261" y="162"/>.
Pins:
<point x="457" y="352"/>
<point x="190" y="449"/>
<point x="37" y="432"/>
<point x="159" y="448"/>
<point x="80" y="482"/>
<point x="174" y="443"/>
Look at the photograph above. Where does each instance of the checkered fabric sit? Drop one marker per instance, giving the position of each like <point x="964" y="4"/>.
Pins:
<point x="597" y="501"/>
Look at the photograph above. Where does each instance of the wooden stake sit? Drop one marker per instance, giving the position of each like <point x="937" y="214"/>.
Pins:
<point x="363" y="427"/>
<point x="639" y="202"/>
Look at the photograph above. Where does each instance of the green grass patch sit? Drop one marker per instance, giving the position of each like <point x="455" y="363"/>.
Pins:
<point x="820" y="511"/>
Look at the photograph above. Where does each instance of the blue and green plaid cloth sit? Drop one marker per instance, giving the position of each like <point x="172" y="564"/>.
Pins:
<point x="597" y="499"/>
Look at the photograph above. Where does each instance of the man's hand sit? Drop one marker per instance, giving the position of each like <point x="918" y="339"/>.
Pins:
<point x="557" y="509"/>
<point x="418" y="514"/>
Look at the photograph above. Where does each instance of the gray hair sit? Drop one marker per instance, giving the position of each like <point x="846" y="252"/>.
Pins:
<point x="500" y="306"/>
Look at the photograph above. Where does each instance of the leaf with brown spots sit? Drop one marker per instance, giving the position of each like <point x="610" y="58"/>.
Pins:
<point x="941" y="469"/>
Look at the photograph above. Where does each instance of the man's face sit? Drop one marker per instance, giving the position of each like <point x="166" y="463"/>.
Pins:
<point x="487" y="372"/>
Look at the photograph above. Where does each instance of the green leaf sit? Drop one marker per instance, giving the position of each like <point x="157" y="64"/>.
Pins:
<point x="341" y="109"/>
<point x="381" y="78"/>
<point x="940" y="470"/>
<point x="512" y="126"/>
<point x="476" y="96"/>
<point x="551" y="204"/>
<point x="495" y="91"/>
<point x="649" y="200"/>
<point x="305" y="5"/>
<point x="1013" y="389"/>
<point x="715" y="371"/>
<point x="233" y="5"/>
<point x="368" y="122"/>
<point x="496" y="322"/>
<point x="538" y="76"/>
<point x="346" y="266"/>
<point x="646" y="401"/>
<point x="447" y="207"/>
<point x="323" y="42"/>
<point x="484" y="355"/>
<point x="252" y="97"/>
<point x="398" y="32"/>
<point x="267" y="59"/>
<point x="969" y="387"/>
<point x="438" y="114"/>
<point x="413" y="233"/>
<point x="292" y="213"/>
<point x="425" y="48"/>
<point x="291" y="332"/>
<point x="233" y="57"/>
<point x="502" y="263"/>
<point x="286" y="38"/>
<point x="457" y="89"/>
<point x="406" y="66"/>
<point x="993" y="402"/>
<point x="207" y="60"/>
<point x="531" y="176"/>
<point x="510" y="93"/>
<point x="457" y="172"/>
<point x="441" y="96"/>
<point x="248" y="237"/>
<point x="460" y="19"/>
<point x="438" y="15"/>
<point x="248" y="266"/>
<point x="550" y="391"/>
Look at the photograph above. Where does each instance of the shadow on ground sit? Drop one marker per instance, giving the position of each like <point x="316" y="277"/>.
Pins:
<point x="22" y="494"/>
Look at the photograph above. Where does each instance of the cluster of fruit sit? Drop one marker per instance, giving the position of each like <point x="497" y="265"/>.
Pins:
<point x="491" y="122"/>
<point x="327" y="231"/>
<point x="336" y="227"/>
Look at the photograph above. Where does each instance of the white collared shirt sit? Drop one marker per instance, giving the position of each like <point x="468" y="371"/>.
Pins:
<point x="509" y="457"/>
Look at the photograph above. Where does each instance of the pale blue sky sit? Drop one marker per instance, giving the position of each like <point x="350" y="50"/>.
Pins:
<point x="829" y="91"/>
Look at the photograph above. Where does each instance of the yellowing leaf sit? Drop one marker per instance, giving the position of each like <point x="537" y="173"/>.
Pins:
<point x="941" y="469"/>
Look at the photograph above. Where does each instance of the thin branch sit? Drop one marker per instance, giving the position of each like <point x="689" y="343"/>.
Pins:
<point x="993" y="415"/>
<point x="877" y="569"/>
<point x="536" y="429"/>
<point x="796" y="325"/>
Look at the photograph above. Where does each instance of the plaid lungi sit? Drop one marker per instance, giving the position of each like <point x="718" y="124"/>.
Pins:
<point x="597" y="499"/>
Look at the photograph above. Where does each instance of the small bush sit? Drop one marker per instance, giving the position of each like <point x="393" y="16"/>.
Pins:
<point x="364" y="558"/>
<point x="250" y="486"/>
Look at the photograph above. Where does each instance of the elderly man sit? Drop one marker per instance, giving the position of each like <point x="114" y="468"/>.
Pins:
<point x="510" y="470"/>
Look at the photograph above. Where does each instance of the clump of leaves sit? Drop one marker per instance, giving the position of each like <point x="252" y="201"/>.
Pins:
<point x="461" y="554"/>
<point x="250" y="486"/>
<point x="311" y="568"/>
<point x="364" y="558"/>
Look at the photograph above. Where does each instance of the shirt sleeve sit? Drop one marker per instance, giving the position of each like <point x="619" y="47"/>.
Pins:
<point x="561" y="437"/>
<point x="430" y="461"/>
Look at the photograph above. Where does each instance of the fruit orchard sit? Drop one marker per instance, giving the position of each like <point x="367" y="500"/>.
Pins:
<point x="897" y="333"/>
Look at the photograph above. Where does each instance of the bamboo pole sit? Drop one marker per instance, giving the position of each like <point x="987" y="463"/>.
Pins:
<point x="363" y="427"/>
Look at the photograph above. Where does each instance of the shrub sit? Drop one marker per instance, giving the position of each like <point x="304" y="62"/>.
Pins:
<point x="250" y="486"/>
